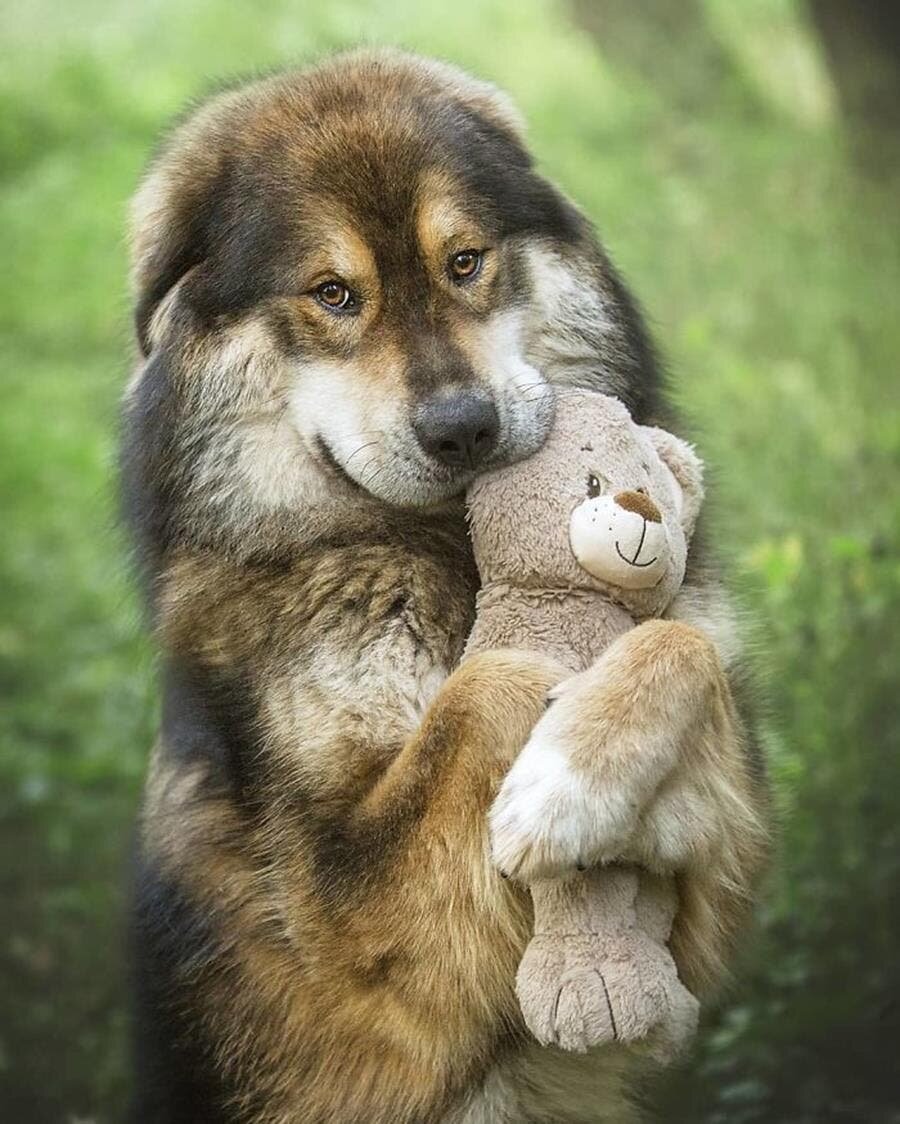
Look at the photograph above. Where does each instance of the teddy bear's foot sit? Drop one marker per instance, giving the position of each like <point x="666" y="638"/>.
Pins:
<point x="582" y="1016"/>
<point x="652" y="1009"/>
<point x="671" y="1038"/>
<point x="574" y="998"/>
<point x="562" y="995"/>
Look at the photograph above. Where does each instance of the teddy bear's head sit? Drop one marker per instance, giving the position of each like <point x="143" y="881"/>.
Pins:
<point x="605" y="504"/>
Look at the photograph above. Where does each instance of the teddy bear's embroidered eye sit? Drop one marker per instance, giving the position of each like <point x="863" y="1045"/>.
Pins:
<point x="593" y="486"/>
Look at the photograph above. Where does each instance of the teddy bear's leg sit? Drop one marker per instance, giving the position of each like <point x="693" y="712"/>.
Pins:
<point x="598" y="970"/>
<point x="567" y="982"/>
<point x="655" y="908"/>
<point x="656" y="904"/>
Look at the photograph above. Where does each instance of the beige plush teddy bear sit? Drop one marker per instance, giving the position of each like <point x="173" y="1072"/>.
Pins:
<point x="576" y="545"/>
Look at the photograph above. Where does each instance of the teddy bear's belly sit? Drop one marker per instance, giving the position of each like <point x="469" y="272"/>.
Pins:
<point x="574" y="626"/>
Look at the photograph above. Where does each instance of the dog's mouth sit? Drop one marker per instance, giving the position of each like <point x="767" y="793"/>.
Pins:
<point x="401" y="480"/>
<point x="392" y="467"/>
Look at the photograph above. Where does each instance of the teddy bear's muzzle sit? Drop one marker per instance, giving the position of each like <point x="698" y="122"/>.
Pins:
<point x="620" y="539"/>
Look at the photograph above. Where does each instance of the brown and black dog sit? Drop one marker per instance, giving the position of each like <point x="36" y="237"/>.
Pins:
<point x="354" y="291"/>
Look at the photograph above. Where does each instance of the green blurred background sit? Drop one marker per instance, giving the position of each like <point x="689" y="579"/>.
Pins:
<point x="740" y="161"/>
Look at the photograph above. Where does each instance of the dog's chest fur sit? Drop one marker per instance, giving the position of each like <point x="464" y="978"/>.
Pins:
<point x="344" y="647"/>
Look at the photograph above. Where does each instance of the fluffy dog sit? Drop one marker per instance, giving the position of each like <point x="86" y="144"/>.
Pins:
<point x="354" y="292"/>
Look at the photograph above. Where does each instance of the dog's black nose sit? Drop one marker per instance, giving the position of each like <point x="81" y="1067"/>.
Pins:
<point x="458" y="429"/>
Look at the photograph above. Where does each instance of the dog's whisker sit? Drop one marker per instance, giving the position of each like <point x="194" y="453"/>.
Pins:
<point x="527" y="389"/>
<point x="367" y="466"/>
<point x="356" y="452"/>
<point x="378" y="471"/>
<point x="366" y="433"/>
<point x="559" y="393"/>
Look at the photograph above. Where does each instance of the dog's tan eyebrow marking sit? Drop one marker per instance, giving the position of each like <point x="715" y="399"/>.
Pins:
<point x="442" y="223"/>
<point x="341" y="251"/>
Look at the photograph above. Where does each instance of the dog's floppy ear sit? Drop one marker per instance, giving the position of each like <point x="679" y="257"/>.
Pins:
<point x="171" y="214"/>
<point x="687" y="468"/>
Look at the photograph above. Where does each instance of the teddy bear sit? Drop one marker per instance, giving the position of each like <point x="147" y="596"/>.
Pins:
<point x="575" y="545"/>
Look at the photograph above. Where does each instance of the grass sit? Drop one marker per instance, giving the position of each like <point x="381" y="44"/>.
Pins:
<point x="768" y="269"/>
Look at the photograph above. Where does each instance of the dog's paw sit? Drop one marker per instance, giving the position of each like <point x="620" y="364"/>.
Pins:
<point x="540" y="819"/>
<point x="548" y="821"/>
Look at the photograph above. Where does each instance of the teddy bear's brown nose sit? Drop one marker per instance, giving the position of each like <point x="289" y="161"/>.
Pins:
<point x="641" y="503"/>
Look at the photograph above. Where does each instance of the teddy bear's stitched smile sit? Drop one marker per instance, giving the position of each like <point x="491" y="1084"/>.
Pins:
<point x="633" y="562"/>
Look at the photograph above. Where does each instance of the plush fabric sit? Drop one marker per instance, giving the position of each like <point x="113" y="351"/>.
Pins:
<point x="601" y="938"/>
<point x="575" y="545"/>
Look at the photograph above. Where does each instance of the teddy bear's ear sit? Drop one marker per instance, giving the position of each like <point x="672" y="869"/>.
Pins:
<point x="687" y="468"/>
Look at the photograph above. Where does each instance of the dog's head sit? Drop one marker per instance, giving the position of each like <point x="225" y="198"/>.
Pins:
<point x="353" y="280"/>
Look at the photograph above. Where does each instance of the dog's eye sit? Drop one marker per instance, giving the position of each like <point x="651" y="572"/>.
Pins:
<point x="336" y="296"/>
<point x="593" y="486"/>
<point x="465" y="265"/>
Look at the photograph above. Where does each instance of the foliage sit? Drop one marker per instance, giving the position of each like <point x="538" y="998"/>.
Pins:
<point x="768" y="268"/>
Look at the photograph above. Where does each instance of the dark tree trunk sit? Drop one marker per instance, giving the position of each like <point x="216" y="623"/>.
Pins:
<point x="861" y="44"/>
<point x="669" y="45"/>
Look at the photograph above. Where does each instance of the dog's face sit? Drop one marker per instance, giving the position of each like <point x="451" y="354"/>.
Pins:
<point x="357" y="280"/>
<point x="408" y="334"/>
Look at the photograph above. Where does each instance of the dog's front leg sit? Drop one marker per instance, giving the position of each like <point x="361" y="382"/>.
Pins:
<point x="469" y="737"/>
<point x="454" y="925"/>
<point x="642" y="758"/>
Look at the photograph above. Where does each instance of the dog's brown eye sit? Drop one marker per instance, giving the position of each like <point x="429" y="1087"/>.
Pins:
<point x="593" y="486"/>
<point x="336" y="296"/>
<point x="465" y="265"/>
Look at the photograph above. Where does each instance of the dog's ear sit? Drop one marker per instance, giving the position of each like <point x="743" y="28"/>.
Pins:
<point x="171" y="215"/>
<point x="687" y="468"/>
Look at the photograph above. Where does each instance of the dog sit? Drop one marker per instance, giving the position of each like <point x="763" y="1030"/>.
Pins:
<point x="353" y="293"/>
